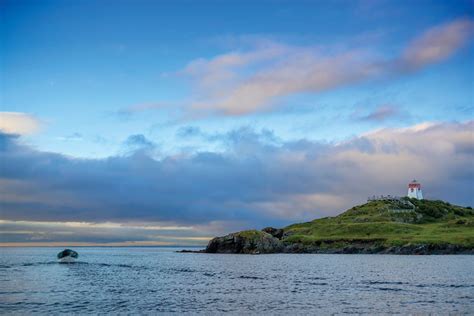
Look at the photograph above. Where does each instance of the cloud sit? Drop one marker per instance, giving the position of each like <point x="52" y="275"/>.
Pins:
<point x="74" y="137"/>
<point x="189" y="132"/>
<point x="138" y="140"/>
<point x="254" y="182"/>
<point x="437" y="44"/>
<point x="18" y="123"/>
<point x="259" y="79"/>
<point x="222" y="68"/>
<point x="144" y="107"/>
<point x="99" y="233"/>
<point x="139" y="143"/>
<point x="301" y="71"/>
<point x="381" y="113"/>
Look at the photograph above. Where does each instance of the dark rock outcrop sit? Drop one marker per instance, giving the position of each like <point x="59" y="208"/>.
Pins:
<point x="428" y="249"/>
<point x="275" y="232"/>
<point x="377" y="248"/>
<point x="255" y="242"/>
<point x="246" y="242"/>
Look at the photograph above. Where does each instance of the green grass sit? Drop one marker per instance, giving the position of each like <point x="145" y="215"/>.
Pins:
<point x="250" y="234"/>
<point x="388" y="224"/>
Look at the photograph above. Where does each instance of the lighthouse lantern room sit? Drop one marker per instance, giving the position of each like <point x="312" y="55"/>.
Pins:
<point x="414" y="190"/>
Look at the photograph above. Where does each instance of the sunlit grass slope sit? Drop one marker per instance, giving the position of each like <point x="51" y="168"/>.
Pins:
<point x="390" y="223"/>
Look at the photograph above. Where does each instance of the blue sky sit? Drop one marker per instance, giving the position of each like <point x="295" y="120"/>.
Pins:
<point x="133" y="92"/>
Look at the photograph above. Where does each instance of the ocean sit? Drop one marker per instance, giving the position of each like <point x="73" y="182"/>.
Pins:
<point x="149" y="280"/>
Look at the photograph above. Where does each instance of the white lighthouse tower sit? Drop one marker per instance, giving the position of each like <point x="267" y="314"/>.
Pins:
<point x="414" y="190"/>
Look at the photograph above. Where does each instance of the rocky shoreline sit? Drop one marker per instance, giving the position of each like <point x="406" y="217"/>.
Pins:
<point x="402" y="227"/>
<point x="269" y="241"/>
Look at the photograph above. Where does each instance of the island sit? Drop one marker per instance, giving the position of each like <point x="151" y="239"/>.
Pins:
<point x="381" y="226"/>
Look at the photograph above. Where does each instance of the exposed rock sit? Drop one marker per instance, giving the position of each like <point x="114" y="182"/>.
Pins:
<point x="191" y="251"/>
<point x="428" y="249"/>
<point x="265" y="243"/>
<point x="377" y="248"/>
<point x="248" y="242"/>
<point x="275" y="232"/>
<point x="375" y="227"/>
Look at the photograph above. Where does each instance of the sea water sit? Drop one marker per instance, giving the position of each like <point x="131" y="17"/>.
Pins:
<point x="154" y="280"/>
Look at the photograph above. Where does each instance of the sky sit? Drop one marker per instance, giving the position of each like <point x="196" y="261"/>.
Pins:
<point x="170" y="122"/>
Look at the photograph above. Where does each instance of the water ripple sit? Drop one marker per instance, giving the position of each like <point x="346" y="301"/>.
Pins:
<point x="157" y="280"/>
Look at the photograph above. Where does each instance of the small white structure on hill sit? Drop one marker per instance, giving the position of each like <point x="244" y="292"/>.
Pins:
<point x="414" y="190"/>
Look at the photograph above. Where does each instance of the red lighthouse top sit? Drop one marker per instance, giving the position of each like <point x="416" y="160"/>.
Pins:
<point x="414" y="185"/>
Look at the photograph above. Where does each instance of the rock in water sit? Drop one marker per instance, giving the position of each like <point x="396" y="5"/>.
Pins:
<point x="245" y="242"/>
<point x="67" y="256"/>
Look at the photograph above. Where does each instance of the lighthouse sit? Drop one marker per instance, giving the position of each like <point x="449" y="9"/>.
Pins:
<point x="414" y="190"/>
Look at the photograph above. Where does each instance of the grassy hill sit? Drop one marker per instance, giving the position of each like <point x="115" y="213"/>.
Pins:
<point x="390" y="223"/>
<point x="406" y="226"/>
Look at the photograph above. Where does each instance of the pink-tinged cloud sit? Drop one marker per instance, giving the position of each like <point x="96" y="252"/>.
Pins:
<point x="438" y="43"/>
<point x="301" y="71"/>
<point x="19" y="123"/>
<point x="381" y="113"/>
<point x="225" y="67"/>
<point x="239" y="83"/>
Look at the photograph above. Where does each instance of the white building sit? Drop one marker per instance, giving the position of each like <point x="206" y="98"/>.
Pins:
<point x="414" y="190"/>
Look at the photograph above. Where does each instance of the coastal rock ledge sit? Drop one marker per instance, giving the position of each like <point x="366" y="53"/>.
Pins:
<point x="262" y="242"/>
<point x="245" y="242"/>
<point x="404" y="226"/>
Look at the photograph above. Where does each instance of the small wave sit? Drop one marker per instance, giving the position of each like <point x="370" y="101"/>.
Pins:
<point x="422" y="302"/>
<point x="185" y="270"/>
<point x="82" y="263"/>
<point x="316" y="278"/>
<point x="389" y="289"/>
<point x="387" y="282"/>
<point x="72" y="263"/>
<point x="250" y="277"/>
<point x="445" y="285"/>
<point x="116" y="265"/>
<point x="48" y="263"/>
<point x="28" y="303"/>
<point x="460" y="285"/>
<point x="31" y="264"/>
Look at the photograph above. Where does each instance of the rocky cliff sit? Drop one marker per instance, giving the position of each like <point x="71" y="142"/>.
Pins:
<point x="426" y="227"/>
